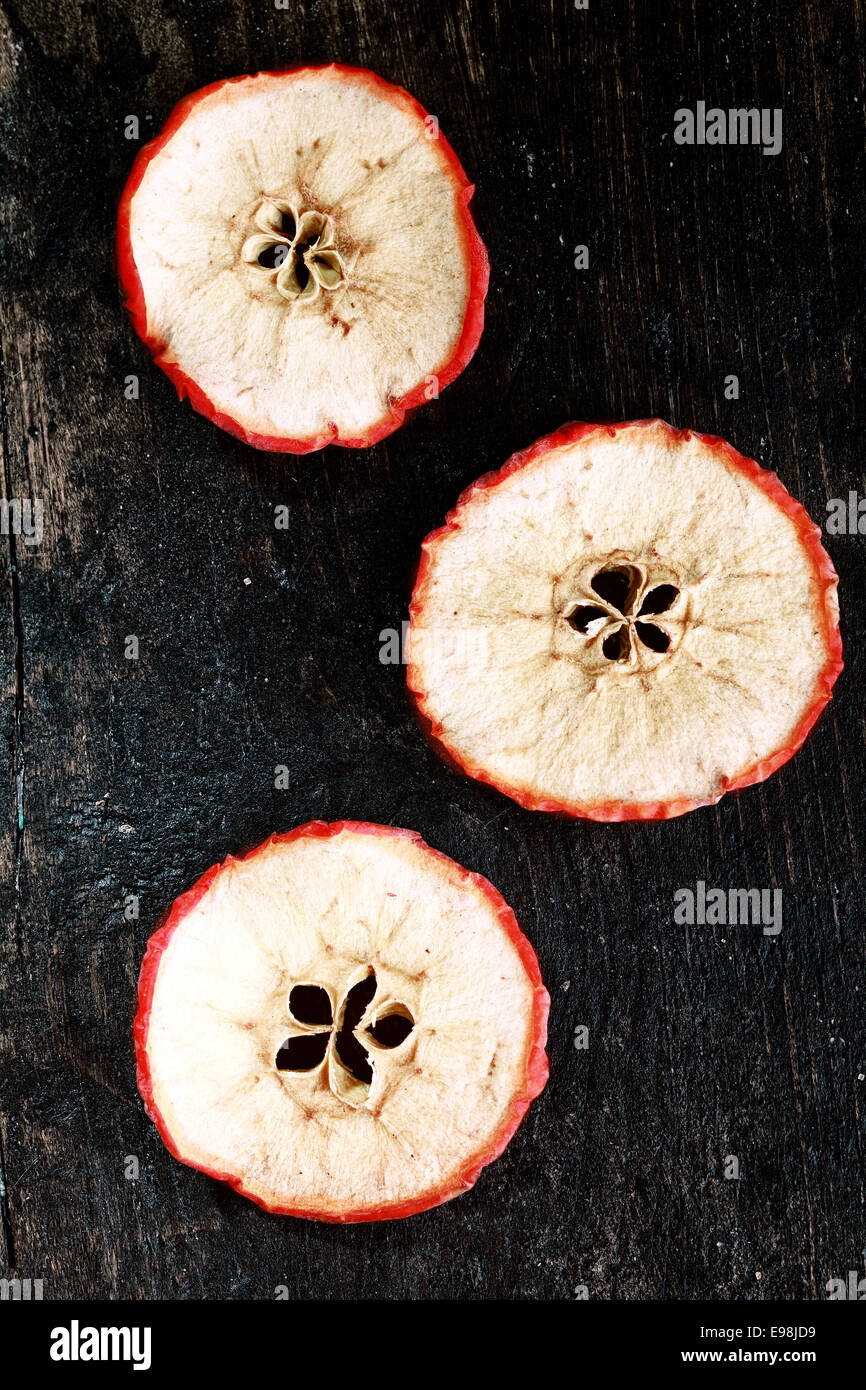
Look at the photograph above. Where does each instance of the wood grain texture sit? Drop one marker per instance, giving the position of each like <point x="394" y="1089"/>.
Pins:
<point x="134" y="776"/>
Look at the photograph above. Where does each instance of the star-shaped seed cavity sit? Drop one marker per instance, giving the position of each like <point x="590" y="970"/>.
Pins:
<point x="620" y="598"/>
<point x="295" y="250"/>
<point x="343" y="1040"/>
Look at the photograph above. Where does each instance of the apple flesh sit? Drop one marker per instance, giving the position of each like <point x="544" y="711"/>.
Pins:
<point x="344" y="1025"/>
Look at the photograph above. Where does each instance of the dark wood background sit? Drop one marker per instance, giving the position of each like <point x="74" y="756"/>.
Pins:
<point x="131" y="777"/>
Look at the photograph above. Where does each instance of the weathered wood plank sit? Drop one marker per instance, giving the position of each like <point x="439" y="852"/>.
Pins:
<point x="138" y="774"/>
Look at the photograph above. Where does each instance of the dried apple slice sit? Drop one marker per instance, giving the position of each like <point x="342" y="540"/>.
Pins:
<point x="343" y="1025"/>
<point x="298" y="254"/>
<point x="625" y="622"/>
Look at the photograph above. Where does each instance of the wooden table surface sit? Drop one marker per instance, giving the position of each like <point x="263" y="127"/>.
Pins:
<point x="260" y="647"/>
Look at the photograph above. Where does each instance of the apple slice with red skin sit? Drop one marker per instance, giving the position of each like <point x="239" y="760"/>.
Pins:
<point x="277" y="973"/>
<point x="298" y="255"/>
<point x="623" y="623"/>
